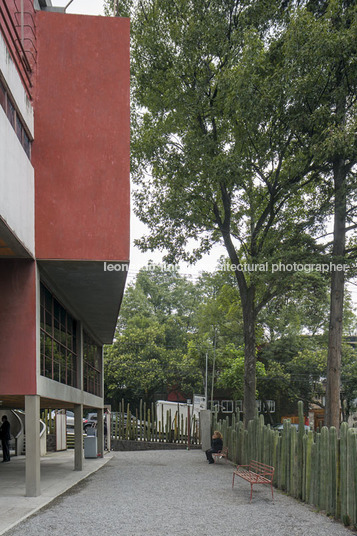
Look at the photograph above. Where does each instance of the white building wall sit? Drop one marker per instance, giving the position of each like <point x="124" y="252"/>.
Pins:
<point x="17" y="186"/>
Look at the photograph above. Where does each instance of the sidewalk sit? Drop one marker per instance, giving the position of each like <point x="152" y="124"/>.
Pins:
<point x="57" y="476"/>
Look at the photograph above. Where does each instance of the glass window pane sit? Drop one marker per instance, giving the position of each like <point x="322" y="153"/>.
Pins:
<point x="55" y="340"/>
<point x="56" y="370"/>
<point x="48" y="346"/>
<point x="26" y="144"/>
<point x="10" y="113"/>
<point x="48" y="322"/>
<point x="48" y="367"/>
<point x="18" y="128"/>
<point x="2" y="96"/>
<point x="56" y="330"/>
<point x="48" y="300"/>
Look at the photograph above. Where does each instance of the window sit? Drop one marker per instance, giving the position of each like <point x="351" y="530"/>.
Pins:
<point x="15" y="120"/>
<point x="10" y="112"/>
<point x="92" y="366"/>
<point x="2" y="96"/>
<point x="58" y="341"/>
<point x="227" y="406"/>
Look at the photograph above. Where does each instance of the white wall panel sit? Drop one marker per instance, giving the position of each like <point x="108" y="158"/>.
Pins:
<point x="17" y="196"/>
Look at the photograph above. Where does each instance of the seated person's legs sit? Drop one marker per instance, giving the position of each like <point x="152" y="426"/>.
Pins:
<point x="209" y="455"/>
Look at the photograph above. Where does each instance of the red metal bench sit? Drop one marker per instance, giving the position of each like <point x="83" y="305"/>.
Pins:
<point x="221" y="454"/>
<point x="255" y="473"/>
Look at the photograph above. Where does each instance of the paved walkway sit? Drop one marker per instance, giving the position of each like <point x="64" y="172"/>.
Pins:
<point x="57" y="476"/>
<point x="172" y="493"/>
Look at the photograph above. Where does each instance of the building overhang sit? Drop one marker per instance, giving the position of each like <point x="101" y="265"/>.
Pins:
<point x="10" y="246"/>
<point x="18" y="402"/>
<point x="90" y="290"/>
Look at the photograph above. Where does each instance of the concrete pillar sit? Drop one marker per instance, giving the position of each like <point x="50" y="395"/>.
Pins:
<point x="78" y="437"/>
<point x="32" y="431"/>
<point x="205" y="424"/>
<point x="100" y="432"/>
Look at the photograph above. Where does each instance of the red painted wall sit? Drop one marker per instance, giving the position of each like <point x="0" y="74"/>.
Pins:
<point x="17" y="327"/>
<point x="81" y="147"/>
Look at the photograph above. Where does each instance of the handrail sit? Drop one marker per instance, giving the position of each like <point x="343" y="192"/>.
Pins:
<point x="42" y="428"/>
<point x="30" y="28"/>
<point x="15" y="47"/>
<point x="19" y="438"/>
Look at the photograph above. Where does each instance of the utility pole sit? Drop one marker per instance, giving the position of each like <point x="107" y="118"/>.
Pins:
<point x="214" y="363"/>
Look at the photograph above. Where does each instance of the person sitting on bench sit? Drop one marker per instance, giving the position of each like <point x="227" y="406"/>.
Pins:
<point x="216" y="446"/>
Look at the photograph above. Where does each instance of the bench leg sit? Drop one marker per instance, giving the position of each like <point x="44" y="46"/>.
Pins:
<point x="233" y="480"/>
<point x="272" y="492"/>
<point x="251" y="492"/>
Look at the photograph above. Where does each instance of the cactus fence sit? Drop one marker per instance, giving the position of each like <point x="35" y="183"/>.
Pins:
<point x="49" y="422"/>
<point x="318" y="468"/>
<point x="145" y="425"/>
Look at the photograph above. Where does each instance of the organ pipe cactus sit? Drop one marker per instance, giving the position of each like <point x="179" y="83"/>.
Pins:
<point x="300" y="450"/>
<point x="309" y="445"/>
<point x="343" y="468"/>
<point x="324" y="469"/>
<point x="351" y="468"/>
<point x="332" y="499"/>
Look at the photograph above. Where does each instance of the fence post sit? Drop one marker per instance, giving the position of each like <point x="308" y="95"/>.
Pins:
<point x="324" y="468"/>
<point x="301" y="435"/>
<point x="188" y="428"/>
<point x="333" y="472"/>
<point x="351" y="467"/>
<point x="343" y="470"/>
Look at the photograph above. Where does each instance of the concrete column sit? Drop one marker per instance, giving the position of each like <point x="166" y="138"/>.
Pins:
<point x="100" y="432"/>
<point x="205" y="424"/>
<point x="78" y="437"/>
<point x="32" y="431"/>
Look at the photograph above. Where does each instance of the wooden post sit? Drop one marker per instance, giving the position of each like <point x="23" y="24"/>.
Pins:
<point x="188" y="428"/>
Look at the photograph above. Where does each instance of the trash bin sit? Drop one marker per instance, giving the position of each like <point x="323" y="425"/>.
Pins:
<point x="90" y="447"/>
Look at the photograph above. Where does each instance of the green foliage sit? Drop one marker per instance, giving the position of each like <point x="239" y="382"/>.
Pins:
<point x="149" y="353"/>
<point x="348" y="381"/>
<point x="232" y="375"/>
<point x="168" y="326"/>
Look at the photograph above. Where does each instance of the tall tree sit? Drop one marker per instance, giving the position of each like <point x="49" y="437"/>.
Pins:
<point x="212" y="128"/>
<point x="321" y="56"/>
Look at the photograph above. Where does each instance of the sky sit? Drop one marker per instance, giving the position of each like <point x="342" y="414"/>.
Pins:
<point x="137" y="258"/>
<point x="83" y="7"/>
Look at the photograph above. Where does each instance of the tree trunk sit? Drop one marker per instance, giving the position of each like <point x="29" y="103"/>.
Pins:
<point x="332" y="410"/>
<point x="247" y="295"/>
<point x="249" y="355"/>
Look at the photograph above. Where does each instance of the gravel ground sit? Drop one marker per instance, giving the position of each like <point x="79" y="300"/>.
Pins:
<point x="173" y="493"/>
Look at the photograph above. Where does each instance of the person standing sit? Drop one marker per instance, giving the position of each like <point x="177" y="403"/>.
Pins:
<point x="216" y="446"/>
<point x="5" y="438"/>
